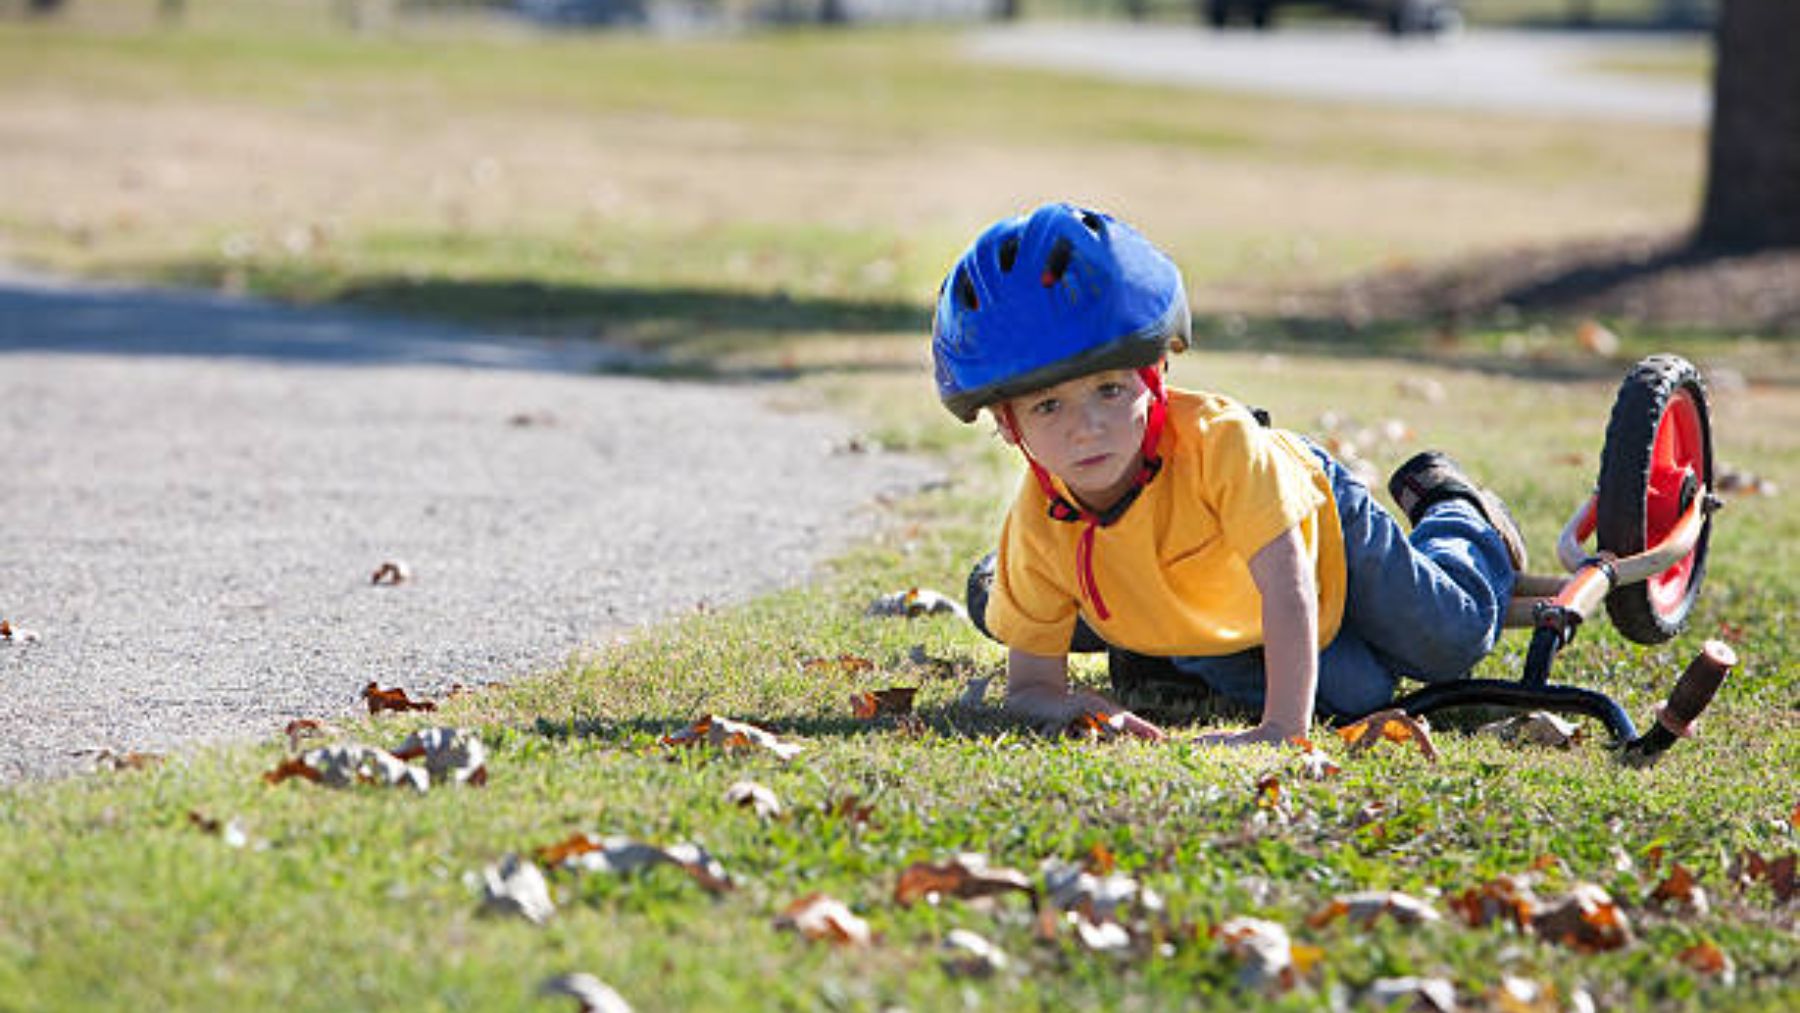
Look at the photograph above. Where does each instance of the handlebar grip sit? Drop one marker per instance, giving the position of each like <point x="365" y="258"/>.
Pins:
<point x="1695" y="689"/>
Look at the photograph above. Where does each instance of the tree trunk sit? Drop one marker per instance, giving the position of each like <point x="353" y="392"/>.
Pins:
<point x="1753" y="162"/>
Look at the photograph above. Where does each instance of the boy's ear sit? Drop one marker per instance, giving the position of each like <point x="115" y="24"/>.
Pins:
<point x="1003" y="424"/>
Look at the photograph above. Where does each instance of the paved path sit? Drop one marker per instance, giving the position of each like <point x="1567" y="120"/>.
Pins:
<point x="196" y="490"/>
<point x="1542" y="73"/>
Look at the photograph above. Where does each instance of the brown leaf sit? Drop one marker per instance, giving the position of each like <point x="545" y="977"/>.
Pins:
<point x="516" y="887"/>
<point x="1586" y="920"/>
<point x="230" y="831"/>
<point x="1268" y="792"/>
<point x="850" y="809"/>
<point x="450" y="754"/>
<point x="391" y="572"/>
<point x="1100" y="861"/>
<point x="729" y="735"/>
<point x="1264" y="953"/>
<point x="307" y="728"/>
<point x="1707" y="959"/>
<point x="1794" y="817"/>
<point x="755" y="797"/>
<point x="1365" y="908"/>
<point x="623" y="855"/>
<point x="966" y="876"/>
<point x="817" y="916"/>
<point x="16" y="635"/>
<point x="897" y="700"/>
<point x="1394" y="725"/>
<point x="594" y="995"/>
<point x="394" y="699"/>
<point x="1538" y="728"/>
<point x="915" y="602"/>
<point x="1315" y="765"/>
<point x="131" y="759"/>
<point x="292" y="767"/>
<point x="1680" y="888"/>
<point x="843" y="664"/>
<point x="1507" y="898"/>
<point x="1751" y="867"/>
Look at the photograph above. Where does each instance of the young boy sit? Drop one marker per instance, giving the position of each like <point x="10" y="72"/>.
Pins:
<point x="1173" y="524"/>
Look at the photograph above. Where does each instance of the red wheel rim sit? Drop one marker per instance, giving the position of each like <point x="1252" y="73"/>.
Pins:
<point x="1677" y="470"/>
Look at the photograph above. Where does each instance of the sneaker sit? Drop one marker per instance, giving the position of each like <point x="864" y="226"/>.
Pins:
<point x="1432" y="477"/>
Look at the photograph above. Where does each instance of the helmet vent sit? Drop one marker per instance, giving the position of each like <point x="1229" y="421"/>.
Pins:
<point x="1094" y="223"/>
<point x="1008" y="252"/>
<point x="965" y="292"/>
<point x="1057" y="262"/>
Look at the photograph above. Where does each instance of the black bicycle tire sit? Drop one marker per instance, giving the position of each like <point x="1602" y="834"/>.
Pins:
<point x="1625" y="465"/>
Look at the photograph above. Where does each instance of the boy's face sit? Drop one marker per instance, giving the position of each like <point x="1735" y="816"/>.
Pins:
<point x="1088" y="431"/>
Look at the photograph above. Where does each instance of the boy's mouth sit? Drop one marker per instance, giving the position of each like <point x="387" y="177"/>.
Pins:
<point x="1089" y="462"/>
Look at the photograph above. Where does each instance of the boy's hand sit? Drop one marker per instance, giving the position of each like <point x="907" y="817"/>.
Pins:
<point x="1263" y="734"/>
<point x="1127" y="723"/>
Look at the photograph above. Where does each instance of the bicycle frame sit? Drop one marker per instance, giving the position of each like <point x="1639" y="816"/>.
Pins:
<point x="1554" y="607"/>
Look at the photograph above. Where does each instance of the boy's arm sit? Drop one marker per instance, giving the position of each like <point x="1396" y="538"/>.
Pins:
<point x="1290" y="620"/>
<point x="1037" y="689"/>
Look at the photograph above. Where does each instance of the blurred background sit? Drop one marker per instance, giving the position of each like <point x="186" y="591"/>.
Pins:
<point x="777" y="185"/>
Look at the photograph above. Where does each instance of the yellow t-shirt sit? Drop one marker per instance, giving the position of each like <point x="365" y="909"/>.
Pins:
<point x="1174" y="570"/>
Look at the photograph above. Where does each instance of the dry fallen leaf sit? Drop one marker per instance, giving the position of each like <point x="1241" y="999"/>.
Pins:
<point x="1315" y="765"/>
<point x="817" y="916"/>
<point x="1585" y="920"/>
<point x="1681" y="889"/>
<point x="594" y="995"/>
<point x="9" y="634"/>
<point x="1538" y="728"/>
<point x="231" y="832"/>
<point x="1364" y="908"/>
<point x="897" y="700"/>
<point x="1595" y="339"/>
<point x="755" y="797"/>
<point x="394" y="699"/>
<point x="966" y="876"/>
<point x="1710" y="960"/>
<point x="624" y="855"/>
<point x="1393" y="725"/>
<point x="307" y="728"/>
<point x="392" y="571"/>
<point x="843" y="664"/>
<point x="516" y="887"/>
<point x="1421" y="995"/>
<point x="345" y="765"/>
<point x="451" y="754"/>
<point x="131" y="759"/>
<point x="851" y="809"/>
<point x="969" y="955"/>
<point x="728" y="734"/>
<point x="915" y="602"/>
<point x="1264" y="953"/>
<point x="1752" y="867"/>
<point x="1504" y="898"/>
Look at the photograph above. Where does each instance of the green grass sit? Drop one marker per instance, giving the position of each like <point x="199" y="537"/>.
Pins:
<point x="357" y="899"/>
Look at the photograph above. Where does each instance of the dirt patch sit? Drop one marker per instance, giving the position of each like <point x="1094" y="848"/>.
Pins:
<point x="1646" y="281"/>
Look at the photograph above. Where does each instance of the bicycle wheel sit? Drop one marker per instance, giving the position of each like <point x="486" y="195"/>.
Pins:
<point x="1656" y="462"/>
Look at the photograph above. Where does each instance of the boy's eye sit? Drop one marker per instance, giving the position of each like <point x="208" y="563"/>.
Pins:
<point x="1045" y="407"/>
<point x="1111" y="389"/>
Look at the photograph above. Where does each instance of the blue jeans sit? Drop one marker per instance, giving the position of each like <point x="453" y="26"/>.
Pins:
<point x="1429" y="606"/>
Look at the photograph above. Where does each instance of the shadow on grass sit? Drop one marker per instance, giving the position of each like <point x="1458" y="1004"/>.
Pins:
<point x="943" y="722"/>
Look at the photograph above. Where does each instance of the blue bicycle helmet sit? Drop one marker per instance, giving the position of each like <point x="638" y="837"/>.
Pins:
<point x="1046" y="297"/>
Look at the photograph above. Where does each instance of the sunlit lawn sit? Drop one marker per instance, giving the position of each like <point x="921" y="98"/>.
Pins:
<point x="786" y="204"/>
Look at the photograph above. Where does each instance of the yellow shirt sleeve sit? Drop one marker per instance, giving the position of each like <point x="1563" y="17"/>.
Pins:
<point x="1257" y="481"/>
<point x="1028" y="608"/>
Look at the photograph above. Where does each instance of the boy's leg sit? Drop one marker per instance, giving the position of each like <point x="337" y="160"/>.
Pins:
<point x="1353" y="678"/>
<point x="1431" y="604"/>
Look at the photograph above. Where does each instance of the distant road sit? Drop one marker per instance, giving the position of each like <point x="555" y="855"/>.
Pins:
<point x="1540" y="73"/>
